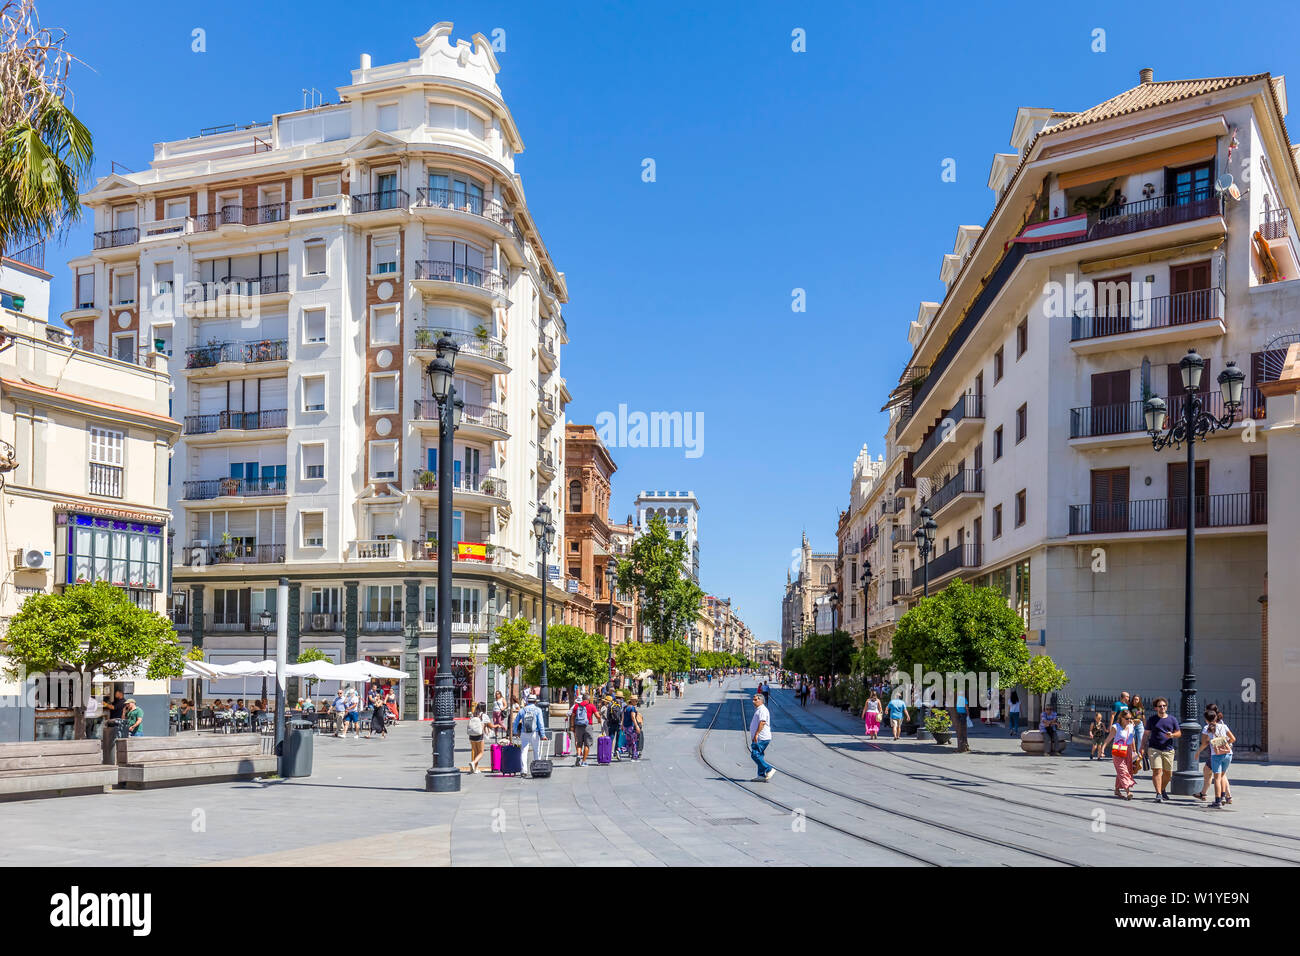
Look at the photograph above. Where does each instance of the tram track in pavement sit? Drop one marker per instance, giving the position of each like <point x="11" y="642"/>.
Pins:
<point x="854" y="799"/>
<point x="950" y="783"/>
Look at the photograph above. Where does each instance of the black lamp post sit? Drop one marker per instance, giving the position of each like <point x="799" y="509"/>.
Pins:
<point x="267" y="620"/>
<point x="1195" y="422"/>
<point x="611" y="577"/>
<point x="545" y="532"/>
<point x="640" y="614"/>
<point x="866" y="591"/>
<point x="443" y="776"/>
<point x="924" y="535"/>
<point x="833" y="598"/>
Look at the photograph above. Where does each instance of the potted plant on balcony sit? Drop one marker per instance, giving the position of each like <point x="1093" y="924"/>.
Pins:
<point x="489" y="550"/>
<point x="940" y="724"/>
<point x="230" y="486"/>
<point x="227" y="551"/>
<point x="488" y="486"/>
<point x="428" y="480"/>
<point x="481" y="332"/>
<point x="424" y="338"/>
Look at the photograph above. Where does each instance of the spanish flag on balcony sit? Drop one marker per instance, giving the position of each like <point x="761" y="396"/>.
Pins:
<point x="470" y="551"/>
<point x="1054" y="229"/>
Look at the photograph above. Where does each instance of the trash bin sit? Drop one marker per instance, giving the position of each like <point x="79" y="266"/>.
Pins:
<point x="113" y="728"/>
<point x="295" y="760"/>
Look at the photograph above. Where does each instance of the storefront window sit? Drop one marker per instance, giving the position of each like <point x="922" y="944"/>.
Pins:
<point x="127" y="554"/>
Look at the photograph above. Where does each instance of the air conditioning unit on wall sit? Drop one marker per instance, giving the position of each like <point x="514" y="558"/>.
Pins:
<point x="32" y="558"/>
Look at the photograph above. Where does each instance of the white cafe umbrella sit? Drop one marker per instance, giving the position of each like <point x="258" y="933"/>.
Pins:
<point x="378" y="670"/>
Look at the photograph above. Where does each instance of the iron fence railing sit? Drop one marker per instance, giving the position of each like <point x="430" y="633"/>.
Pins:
<point x="32" y="255"/>
<point x="426" y="409"/>
<point x="382" y="199"/>
<point x="484" y="484"/>
<point x="211" y="290"/>
<point x="969" y="405"/>
<point x="962" y="556"/>
<point x="1157" y="312"/>
<point x="207" y="356"/>
<point x="1166" y="514"/>
<point x="112" y="238"/>
<point x="459" y="272"/>
<point x="242" y="421"/>
<point x="471" y="343"/>
<point x="231" y="487"/>
<point x="233" y="553"/>
<point x="105" y="480"/>
<point x="1078" y="708"/>
<point x="461" y="201"/>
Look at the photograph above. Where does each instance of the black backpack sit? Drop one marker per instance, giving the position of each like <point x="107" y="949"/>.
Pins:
<point x="615" y="715"/>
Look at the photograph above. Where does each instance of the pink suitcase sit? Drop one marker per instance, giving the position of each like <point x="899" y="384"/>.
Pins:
<point x="496" y="758"/>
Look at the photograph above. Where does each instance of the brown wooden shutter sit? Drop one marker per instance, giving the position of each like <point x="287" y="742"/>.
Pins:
<point x="1110" y="397"/>
<point x="1178" y="494"/>
<point x="1258" y="489"/>
<point x="1110" y="499"/>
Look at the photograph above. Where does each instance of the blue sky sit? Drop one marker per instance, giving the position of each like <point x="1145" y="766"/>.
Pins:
<point x="775" y="170"/>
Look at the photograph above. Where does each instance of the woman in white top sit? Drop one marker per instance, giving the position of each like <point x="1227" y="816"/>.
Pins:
<point x="1219" y="739"/>
<point x="871" y="716"/>
<point x="1124" y="740"/>
<point x="1013" y="708"/>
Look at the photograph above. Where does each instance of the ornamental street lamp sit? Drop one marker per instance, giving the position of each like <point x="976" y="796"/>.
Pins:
<point x="1193" y="423"/>
<point x="640" y="614"/>
<point x="866" y="593"/>
<point x="611" y="576"/>
<point x="267" y="620"/>
<point x="443" y="776"/>
<point x="545" y="532"/>
<point x="924" y="535"/>
<point x="833" y="598"/>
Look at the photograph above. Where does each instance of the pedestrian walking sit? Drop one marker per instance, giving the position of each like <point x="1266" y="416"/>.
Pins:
<point x="1099" y="737"/>
<point x="340" y="708"/>
<point x="1047" y="726"/>
<point x="476" y="727"/>
<point x="1123" y="738"/>
<point x="1139" y="719"/>
<point x="613" y="723"/>
<point x="1013" y="711"/>
<point x="353" y="714"/>
<point x="581" y="717"/>
<point x="1219" y="739"/>
<point x="530" y="725"/>
<point x="897" y="712"/>
<point x="1121" y="704"/>
<point x="378" y="715"/>
<point x="1203" y="755"/>
<point x="134" y="718"/>
<point x="760" y="735"/>
<point x="1159" y="741"/>
<point x="632" y="727"/>
<point x="871" y="716"/>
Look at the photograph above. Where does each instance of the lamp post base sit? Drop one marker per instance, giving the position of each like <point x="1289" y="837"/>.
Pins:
<point x="1186" y="783"/>
<point x="438" y="780"/>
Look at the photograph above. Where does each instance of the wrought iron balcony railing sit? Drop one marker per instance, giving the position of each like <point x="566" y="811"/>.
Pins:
<point x="461" y="201"/>
<point x="209" y="356"/>
<point x="240" y="421"/>
<point x="962" y="556"/>
<point x="1140" y="314"/>
<point x="239" y="553"/>
<point x="244" y="287"/>
<point x="426" y="409"/>
<point x="459" y="272"/>
<point x="426" y="337"/>
<point x="483" y="484"/>
<point x="1165" y="514"/>
<point x="383" y="199"/>
<point x="113" y="238"/>
<point x="231" y="487"/>
<point x="969" y="405"/>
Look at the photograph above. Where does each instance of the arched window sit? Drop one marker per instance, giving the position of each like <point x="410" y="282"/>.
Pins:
<point x="575" y="496"/>
<point x="826" y="576"/>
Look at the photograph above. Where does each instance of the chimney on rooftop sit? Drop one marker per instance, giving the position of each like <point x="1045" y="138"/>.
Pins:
<point x="1148" y="75"/>
<point x="365" y="61"/>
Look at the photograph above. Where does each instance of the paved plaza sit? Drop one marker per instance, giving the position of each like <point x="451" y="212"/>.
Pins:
<point x="837" y="799"/>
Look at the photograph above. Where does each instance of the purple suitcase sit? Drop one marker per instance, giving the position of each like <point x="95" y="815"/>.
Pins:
<point x="605" y="750"/>
<point x="496" y="758"/>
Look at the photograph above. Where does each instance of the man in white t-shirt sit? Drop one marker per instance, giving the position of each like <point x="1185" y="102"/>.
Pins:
<point x="760" y="735"/>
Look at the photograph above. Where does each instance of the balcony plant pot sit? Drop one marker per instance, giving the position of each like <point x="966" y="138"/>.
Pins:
<point x="428" y="480"/>
<point x="424" y="338"/>
<point x="481" y="333"/>
<point x="230" y="486"/>
<point x="488" y="487"/>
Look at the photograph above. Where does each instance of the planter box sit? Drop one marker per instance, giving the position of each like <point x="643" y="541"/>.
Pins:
<point x="1031" y="742"/>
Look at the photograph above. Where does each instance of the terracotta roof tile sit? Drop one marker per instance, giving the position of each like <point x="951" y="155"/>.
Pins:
<point x="1146" y="95"/>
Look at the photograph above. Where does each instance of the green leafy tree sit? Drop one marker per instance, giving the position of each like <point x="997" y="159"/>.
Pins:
<point x="310" y="655"/>
<point x="45" y="151"/>
<point x="961" y="630"/>
<point x="672" y="603"/>
<point x="90" y="629"/>
<point x="513" y="647"/>
<point x="573" y="658"/>
<point x="1041" y="676"/>
<point x="631" y="657"/>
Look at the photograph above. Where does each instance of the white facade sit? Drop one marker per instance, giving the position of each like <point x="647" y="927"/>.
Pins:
<point x="680" y="510"/>
<point x="300" y="272"/>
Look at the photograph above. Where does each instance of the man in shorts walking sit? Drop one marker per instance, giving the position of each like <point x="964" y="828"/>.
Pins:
<point x="581" y="718"/>
<point x="1162" y="732"/>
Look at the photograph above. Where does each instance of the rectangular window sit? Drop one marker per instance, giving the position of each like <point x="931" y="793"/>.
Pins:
<point x="997" y="366"/>
<point x="1020" y="508"/>
<point x="313" y="529"/>
<point x="386" y="117"/>
<point x="124" y="285"/>
<point x="313" y="393"/>
<point x="324" y="186"/>
<point x="126" y="554"/>
<point x="106" y="448"/>
<point x="384" y="255"/>
<point x="315" y="257"/>
<point x="383" y="393"/>
<point x="86" y="290"/>
<point x="446" y="116"/>
<point x="1022" y="422"/>
<point x="997" y="443"/>
<point x="163" y="275"/>
<point x="383" y="460"/>
<point x="997" y="521"/>
<point x="384" y="326"/>
<point x="313" y="326"/>
<point x="313" y="460"/>
<point x="177" y="208"/>
<point x="1022" y="337"/>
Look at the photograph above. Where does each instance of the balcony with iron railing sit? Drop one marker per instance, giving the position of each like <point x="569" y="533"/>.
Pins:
<point x="214" y="354"/>
<point x="472" y="345"/>
<point x="546" y="461"/>
<point x="380" y="620"/>
<point x="384" y="199"/>
<point x="123" y="350"/>
<point x="1169" y="514"/>
<point x="105" y="480"/>
<point x="242" y="287"/>
<point x="113" y="238"/>
<point x="1167" y="312"/>
<point x="962" y="556"/>
<point x="473" y="554"/>
<point x="459" y="273"/>
<point x="236" y="421"/>
<point x="322" y="622"/>
<point x="489" y="484"/>
<point x="1277" y="230"/>
<point x="208" y="488"/>
<point x="32" y="255"/>
<point x="462" y="622"/>
<point x="1112" y="221"/>
<point x="1129" y="418"/>
<point x="486" y="417"/>
<point x="460" y="201"/>
<point x="232" y="553"/>
<point x="967" y="481"/>
<point x="241" y="216"/>
<point x="968" y="412"/>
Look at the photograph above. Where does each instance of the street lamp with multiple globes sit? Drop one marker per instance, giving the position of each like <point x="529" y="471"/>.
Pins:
<point x="1194" y="423"/>
<point x="545" y="532"/>
<point x="611" y="578"/>
<point x="924" y="535"/>
<point x="833" y="598"/>
<point x="443" y="777"/>
<point x="267" y="620"/>
<point x="640" y="614"/>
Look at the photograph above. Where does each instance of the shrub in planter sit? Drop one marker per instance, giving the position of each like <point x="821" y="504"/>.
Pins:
<point x="940" y="724"/>
<point x="428" y="480"/>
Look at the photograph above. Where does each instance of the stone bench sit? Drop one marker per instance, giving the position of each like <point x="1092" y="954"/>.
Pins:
<point x="53" y="768"/>
<point x="176" y="761"/>
<point x="1031" y="742"/>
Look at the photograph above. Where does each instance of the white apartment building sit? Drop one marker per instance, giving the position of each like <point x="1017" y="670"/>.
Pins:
<point x="85" y="440"/>
<point x="1115" y="245"/>
<point x="864" y="534"/>
<point x="680" y="511"/>
<point x="300" y="271"/>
